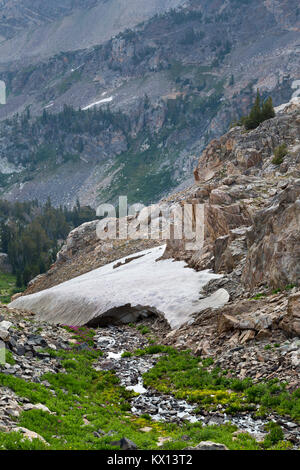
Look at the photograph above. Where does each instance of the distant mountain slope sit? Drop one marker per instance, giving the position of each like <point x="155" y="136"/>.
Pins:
<point x="178" y="81"/>
<point x="39" y="28"/>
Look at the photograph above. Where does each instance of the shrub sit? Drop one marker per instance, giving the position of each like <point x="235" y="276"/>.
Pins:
<point x="127" y="354"/>
<point x="144" y="329"/>
<point x="275" y="435"/>
<point x="279" y="154"/>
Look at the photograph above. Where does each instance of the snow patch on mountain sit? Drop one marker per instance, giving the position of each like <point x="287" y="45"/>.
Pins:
<point x="7" y="168"/>
<point x="113" y="291"/>
<point x="96" y="103"/>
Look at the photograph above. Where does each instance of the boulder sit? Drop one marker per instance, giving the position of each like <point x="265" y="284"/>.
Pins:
<point x="30" y="435"/>
<point x="5" y="325"/>
<point x="208" y="445"/>
<point x="125" y="444"/>
<point x="4" y="334"/>
<point x="246" y="336"/>
<point x="256" y="321"/>
<point x="291" y="322"/>
<point x="16" y="296"/>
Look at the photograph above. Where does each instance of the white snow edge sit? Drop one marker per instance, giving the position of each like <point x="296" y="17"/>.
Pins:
<point x="104" y="100"/>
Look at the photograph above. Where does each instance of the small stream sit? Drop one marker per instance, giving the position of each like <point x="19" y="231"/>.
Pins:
<point x="113" y="341"/>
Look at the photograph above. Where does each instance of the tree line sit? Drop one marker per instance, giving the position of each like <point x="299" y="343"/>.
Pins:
<point x="32" y="234"/>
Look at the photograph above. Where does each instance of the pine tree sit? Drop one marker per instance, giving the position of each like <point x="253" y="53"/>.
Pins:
<point x="27" y="276"/>
<point x="254" y="118"/>
<point x="5" y="237"/>
<point x="259" y="113"/>
<point x="19" y="281"/>
<point x="268" y="111"/>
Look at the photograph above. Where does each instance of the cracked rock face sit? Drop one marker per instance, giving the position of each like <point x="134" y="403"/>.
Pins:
<point x="252" y="206"/>
<point x="273" y="242"/>
<point x="291" y="323"/>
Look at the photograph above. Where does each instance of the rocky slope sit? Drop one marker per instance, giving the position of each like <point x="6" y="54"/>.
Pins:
<point x="31" y="29"/>
<point x="199" y="67"/>
<point x="252" y="343"/>
<point x="252" y="213"/>
<point x="37" y="392"/>
<point x="251" y="229"/>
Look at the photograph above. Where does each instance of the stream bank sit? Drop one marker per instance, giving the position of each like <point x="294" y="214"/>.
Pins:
<point x="49" y="368"/>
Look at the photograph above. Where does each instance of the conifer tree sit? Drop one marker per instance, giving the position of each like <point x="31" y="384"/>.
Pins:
<point x="19" y="280"/>
<point x="254" y="118"/>
<point x="260" y="112"/>
<point x="268" y="111"/>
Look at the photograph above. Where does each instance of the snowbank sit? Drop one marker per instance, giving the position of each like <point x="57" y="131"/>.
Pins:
<point x="139" y="281"/>
<point x="104" y="100"/>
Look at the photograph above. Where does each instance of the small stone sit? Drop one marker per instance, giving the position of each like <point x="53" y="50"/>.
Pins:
<point x="4" y="334"/>
<point x="20" y="350"/>
<point x="146" y="429"/>
<point x="125" y="444"/>
<point x="263" y="334"/>
<point x="163" y="440"/>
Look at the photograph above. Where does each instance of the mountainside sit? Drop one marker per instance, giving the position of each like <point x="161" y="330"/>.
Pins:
<point x="251" y="240"/>
<point x="174" y="326"/>
<point x="223" y="345"/>
<point x="30" y="29"/>
<point x="178" y="79"/>
<point x="251" y="217"/>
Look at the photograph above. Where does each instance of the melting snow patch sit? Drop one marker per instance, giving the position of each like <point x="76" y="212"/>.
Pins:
<point x="104" y="100"/>
<point x="8" y="168"/>
<point x="105" y="342"/>
<point x="74" y="70"/>
<point x="48" y="105"/>
<point x="107" y="294"/>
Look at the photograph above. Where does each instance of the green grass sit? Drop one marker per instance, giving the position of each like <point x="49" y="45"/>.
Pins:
<point x="144" y="330"/>
<point x="81" y="334"/>
<point x="9" y="359"/>
<point x="7" y="287"/>
<point x="198" y="382"/>
<point x="258" y="297"/>
<point x="290" y="287"/>
<point x="273" y="292"/>
<point x="127" y="354"/>
<point x="141" y="175"/>
<point x="83" y="401"/>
